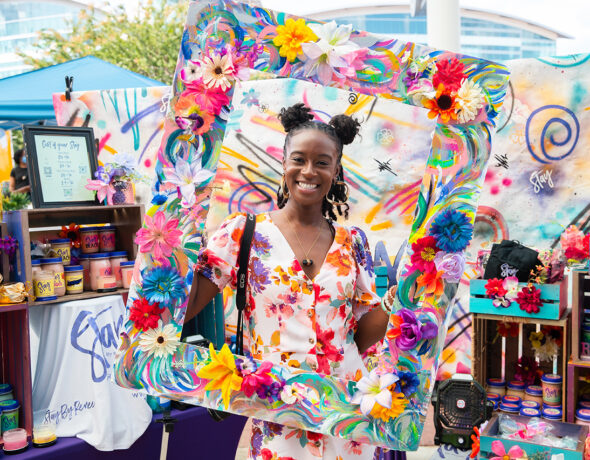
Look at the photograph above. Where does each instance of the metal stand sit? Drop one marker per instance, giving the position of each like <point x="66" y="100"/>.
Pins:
<point x="167" y="427"/>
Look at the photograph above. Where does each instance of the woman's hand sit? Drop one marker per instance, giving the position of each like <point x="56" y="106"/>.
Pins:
<point x="373" y="325"/>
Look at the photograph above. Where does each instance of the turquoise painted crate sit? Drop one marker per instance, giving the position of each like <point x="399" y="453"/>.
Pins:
<point x="490" y="434"/>
<point x="553" y="296"/>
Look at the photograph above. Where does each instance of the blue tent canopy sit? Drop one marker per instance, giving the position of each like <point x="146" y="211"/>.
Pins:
<point x="27" y="98"/>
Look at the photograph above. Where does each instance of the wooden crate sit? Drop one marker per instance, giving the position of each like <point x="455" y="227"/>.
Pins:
<point x="488" y="360"/>
<point x="15" y="360"/>
<point x="578" y="377"/>
<point x="30" y="224"/>
<point x="580" y="301"/>
<point x="553" y="296"/>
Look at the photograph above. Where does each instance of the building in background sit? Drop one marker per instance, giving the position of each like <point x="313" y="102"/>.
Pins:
<point x="484" y="34"/>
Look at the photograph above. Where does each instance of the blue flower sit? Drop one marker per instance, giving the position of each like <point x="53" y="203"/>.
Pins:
<point x="164" y="285"/>
<point x="408" y="383"/>
<point x="452" y="231"/>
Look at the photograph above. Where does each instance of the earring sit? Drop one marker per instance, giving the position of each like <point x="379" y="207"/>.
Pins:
<point x="346" y="193"/>
<point x="283" y="188"/>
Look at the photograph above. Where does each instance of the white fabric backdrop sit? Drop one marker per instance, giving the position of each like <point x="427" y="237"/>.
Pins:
<point x="76" y="342"/>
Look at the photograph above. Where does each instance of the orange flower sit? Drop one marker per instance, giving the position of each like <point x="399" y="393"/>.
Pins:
<point x="341" y="261"/>
<point x="443" y="104"/>
<point x="395" y="330"/>
<point x="72" y="232"/>
<point x="431" y="283"/>
<point x="475" y="444"/>
<point x="398" y="404"/>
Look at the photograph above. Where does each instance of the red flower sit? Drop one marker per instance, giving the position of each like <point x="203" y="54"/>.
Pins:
<point x="313" y="437"/>
<point x="587" y="243"/>
<point x="495" y="288"/>
<point x="506" y="329"/>
<point x="449" y="72"/>
<point x="475" y="444"/>
<point x="554" y="332"/>
<point x="575" y="253"/>
<point x="526" y="370"/>
<point x="325" y="351"/>
<point x="529" y="299"/>
<point x="423" y="252"/>
<point x="145" y="315"/>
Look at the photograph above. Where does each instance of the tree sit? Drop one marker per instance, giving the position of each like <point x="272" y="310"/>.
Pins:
<point x="147" y="43"/>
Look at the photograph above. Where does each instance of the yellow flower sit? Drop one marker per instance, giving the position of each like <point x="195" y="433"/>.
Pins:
<point x="222" y="373"/>
<point x="290" y="37"/>
<point x="535" y="338"/>
<point x="398" y="404"/>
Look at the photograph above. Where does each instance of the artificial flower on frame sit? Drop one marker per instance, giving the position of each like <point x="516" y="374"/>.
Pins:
<point x="253" y="381"/>
<point x="163" y="285"/>
<point x="159" y="236"/>
<point x="190" y="116"/>
<point x="451" y="264"/>
<point x="443" y="104"/>
<point x="292" y="393"/>
<point x="103" y="190"/>
<point x="221" y="372"/>
<point x="450" y="73"/>
<point x="186" y="176"/>
<point x="290" y="36"/>
<point x="408" y="383"/>
<point x="145" y="315"/>
<point x="162" y="341"/>
<point x="452" y="230"/>
<point x="190" y="72"/>
<point x="210" y="99"/>
<point x="526" y="370"/>
<point x="423" y="252"/>
<point x="408" y="331"/>
<point x="430" y="283"/>
<point x="470" y="100"/>
<point x="529" y="299"/>
<point x="374" y="389"/>
<point x="397" y="406"/>
<point x="495" y="288"/>
<point x="72" y="232"/>
<point x="217" y="71"/>
<point x="514" y="453"/>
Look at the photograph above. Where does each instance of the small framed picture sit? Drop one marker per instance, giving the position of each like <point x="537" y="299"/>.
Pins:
<point x="60" y="161"/>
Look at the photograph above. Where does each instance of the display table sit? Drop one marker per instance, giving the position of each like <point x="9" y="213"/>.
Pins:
<point x="195" y="435"/>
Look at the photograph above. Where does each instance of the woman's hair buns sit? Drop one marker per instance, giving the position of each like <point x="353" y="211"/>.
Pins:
<point x="294" y="116"/>
<point x="346" y="128"/>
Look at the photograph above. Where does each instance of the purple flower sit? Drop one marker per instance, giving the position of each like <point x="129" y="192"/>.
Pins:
<point x="271" y="391"/>
<point x="246" y="365"/>
<point x="261" y="245"/>
<point x="258" y="275"/>
<point x="451" y="264"/>
<point x="413" y="330"/>
<point x="411" y="78"/>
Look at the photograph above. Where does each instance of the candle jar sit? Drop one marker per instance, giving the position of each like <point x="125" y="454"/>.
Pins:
<point x="44" y="435"/>
<point x="15" y="441"/>
<point x="516" y="388"/>
<point x="54" y="265"/>
<point x="107" y="284"/>
<point x="85" y="262"/>
<point x="89" y="240"/>
<point x="106" y="238"/>
<point x="509" y="408"/>
<point x="9" y="417"/>
<point x="551" y="384"/>
<point x="74" y="279"/>
<point x="35" y="267"/>
<point x="497" y="386"/>
<point x="100" y="266"/>
<point x="531" y="404"/>
<point x="583" y="417"/>
<point x="534" y="393"/>
<point x="530" y="412"/>
<point x="62" y="248"/>
<point x="552" y="413"/>
<point x="5" y="391"/>
<point x="127" y="273"/>
<point x="116" y="258"/>
<point x="43" y="285"/>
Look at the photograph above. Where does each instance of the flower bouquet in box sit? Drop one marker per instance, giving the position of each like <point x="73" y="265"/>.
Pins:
<point x="114" y="180"/>
<point x="575" y="247"/>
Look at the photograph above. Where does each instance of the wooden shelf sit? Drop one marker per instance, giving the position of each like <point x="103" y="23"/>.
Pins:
<point x="519" y="319"/>
<point x="13" y="307"/>
<point x="84" y="295"/>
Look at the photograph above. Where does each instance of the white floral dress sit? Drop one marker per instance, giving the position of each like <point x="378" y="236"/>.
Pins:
<point x="295" y="321"/>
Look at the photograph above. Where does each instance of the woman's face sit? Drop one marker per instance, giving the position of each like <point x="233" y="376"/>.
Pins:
<point x="310" y="165"/>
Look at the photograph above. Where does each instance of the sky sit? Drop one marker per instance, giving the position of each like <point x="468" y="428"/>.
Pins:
<point x="569" y="17"/>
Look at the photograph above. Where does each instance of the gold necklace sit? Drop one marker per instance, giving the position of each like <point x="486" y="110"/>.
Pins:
<point x="307" y="262"/>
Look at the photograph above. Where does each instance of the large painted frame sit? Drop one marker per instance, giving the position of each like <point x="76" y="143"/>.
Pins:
<point x="150" y="356"/>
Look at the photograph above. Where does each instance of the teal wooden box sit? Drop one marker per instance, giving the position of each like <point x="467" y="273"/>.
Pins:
<point x="553" y="296"/>
<point x="490" y="434"/>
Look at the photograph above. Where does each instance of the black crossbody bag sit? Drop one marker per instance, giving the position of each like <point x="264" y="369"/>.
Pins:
<point x="242" y="283"/>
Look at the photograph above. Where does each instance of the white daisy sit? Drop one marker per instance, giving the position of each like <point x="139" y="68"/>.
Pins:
<point x="470" y="99"/>
<point x="190" y="72"/>
<point x="160" y="342"/>
<point x="218" y="71"/>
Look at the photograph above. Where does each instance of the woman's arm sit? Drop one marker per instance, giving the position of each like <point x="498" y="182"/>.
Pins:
<point x="202" y="292"/>
<point x="12" y="184"/>
<point x="373" y="325"/>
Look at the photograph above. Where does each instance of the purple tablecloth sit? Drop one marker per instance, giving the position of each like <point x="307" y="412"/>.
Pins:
<point x="195" y="436"/>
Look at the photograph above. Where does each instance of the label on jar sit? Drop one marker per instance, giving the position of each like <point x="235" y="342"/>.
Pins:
<point x="74" y="282"/>
<point x="59" y="280"/>
<point x="65" y="255"/>
<point x="105" y="271"/>
<point x="552" y="393"/>
<point x="107" y="241"/>
<point x="44" y="288"/>
<point x="90" y="240"/>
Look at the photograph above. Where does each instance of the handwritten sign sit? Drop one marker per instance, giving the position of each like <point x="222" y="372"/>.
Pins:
<point x="64" y="167"/>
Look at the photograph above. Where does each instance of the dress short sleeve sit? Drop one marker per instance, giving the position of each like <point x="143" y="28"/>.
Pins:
<point x="218" y="261"/>
<point x="365" y="297"/>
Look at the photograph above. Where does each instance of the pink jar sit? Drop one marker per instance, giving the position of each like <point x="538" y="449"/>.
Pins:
<point x="106" y="238"/>
<point x="127" y="273"/>
<point x="100" y="267"/>
<point x="89" y="240"/>
<point x="85" y="262"/>
<point x="116" y="258"/>
<point x="54" y="265"/>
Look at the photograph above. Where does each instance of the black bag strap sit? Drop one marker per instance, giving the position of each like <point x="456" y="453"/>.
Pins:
<point x="242" y="279"/>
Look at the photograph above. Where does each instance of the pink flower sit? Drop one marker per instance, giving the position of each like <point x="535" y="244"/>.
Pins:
<point x="252" y="382"/>
<point x="514" y="453"/>
<point x="572" y="238"/>
<point x="102" y="189"/>
<point x="160" y="236"/>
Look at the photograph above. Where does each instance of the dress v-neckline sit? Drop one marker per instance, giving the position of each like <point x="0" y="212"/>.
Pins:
<point x="330" y="250"/>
